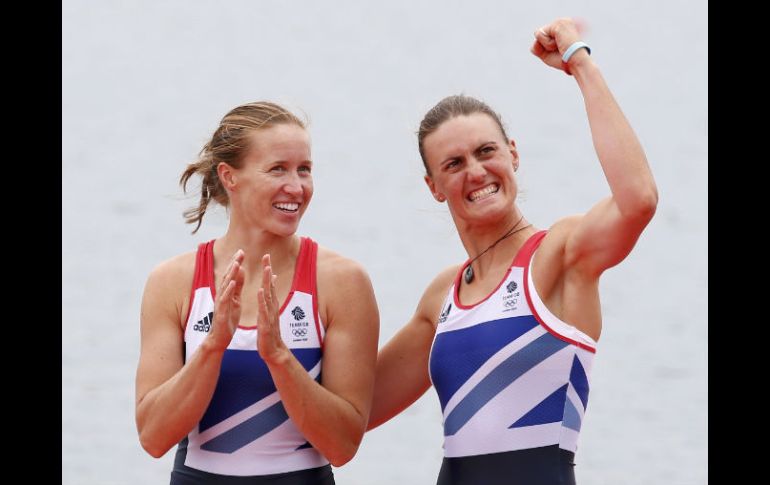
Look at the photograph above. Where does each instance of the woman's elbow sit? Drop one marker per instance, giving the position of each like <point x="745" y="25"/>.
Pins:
<point x="344" y="453"/>
<point x="642" y="206"/>
<point x="152" y="447"/>
<point x="153" y="451"/>
<point x="340" y="458"/>
<point x="648" y="204"/>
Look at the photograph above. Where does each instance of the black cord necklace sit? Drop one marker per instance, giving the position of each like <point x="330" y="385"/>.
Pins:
<point x="468" y="273"/>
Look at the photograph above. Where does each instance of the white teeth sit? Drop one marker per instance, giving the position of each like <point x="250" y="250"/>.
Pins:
<point x="287" y="206"/>
<point x="485" y="192"/>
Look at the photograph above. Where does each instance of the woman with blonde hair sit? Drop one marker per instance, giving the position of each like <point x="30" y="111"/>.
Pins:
<point x="258" y="349"/>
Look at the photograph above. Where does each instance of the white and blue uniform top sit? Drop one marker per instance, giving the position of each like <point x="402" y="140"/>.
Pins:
<point x="508" y="373"/>
<point x="245" y="430"/>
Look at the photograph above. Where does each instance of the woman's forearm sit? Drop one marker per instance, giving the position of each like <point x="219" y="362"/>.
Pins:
<point x="619" y="151"/>
<point x="167" y="413"/>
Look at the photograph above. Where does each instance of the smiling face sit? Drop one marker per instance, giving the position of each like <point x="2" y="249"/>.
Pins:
<point x="274" y="185"/>
<point x="471" y="166"/>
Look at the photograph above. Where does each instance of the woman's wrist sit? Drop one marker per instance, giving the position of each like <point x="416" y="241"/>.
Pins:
<point x="279" y="357"/>
<point x="580" y="60"/>
<point x="211" y="349"/>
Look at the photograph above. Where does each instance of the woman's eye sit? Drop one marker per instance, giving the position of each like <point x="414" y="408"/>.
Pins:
<point x="278" y="168"/>
<point x="305" y="169"/>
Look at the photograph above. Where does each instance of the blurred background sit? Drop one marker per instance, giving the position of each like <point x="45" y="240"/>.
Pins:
<point x="144" y="84"/>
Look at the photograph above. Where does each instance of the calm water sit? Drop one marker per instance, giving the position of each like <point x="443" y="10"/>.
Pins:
<point x="144" y="83"/>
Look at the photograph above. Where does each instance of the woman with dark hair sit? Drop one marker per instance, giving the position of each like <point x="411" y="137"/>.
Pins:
<point x="507" y="338"/>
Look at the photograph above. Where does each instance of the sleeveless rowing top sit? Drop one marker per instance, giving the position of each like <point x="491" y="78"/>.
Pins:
<point x="508" y="373"/>
<point x="246" y="431"/>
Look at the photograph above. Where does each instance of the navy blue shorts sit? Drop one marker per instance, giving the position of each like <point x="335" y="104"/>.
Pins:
<point x="184" y="475"/>
<point x="548" y="465"/>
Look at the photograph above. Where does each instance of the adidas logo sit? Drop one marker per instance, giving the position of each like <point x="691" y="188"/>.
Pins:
<point x="204" y="325"/>
<point x="445" y="314"/>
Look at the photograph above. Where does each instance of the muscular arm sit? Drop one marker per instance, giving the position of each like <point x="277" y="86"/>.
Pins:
<point x="333" y="416"/>
<point x="608" y="232"/>
<point x="402" y="364"/>
<point x="578" y="249"/>
<point x="610" y="229"/>
<point x="171" y="397"/>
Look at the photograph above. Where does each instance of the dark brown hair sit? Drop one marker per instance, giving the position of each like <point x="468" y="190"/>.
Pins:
<point x="448" y="108"/>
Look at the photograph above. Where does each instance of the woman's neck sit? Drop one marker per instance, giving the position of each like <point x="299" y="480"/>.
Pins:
<point x="255" y="244"/>
<point x="494" y="245"/>
<point x="478" y="237"/>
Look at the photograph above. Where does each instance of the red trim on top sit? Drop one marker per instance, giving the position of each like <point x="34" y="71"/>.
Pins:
<point x="301" y="256"/>
<point x="528" y="249"/>
<point x="457" y="290"/>
<point x="303" y="274"/>
<point x="539" y="319"/>
<point x="208" y="275"/>
<point x="204" y="270"/>
<point x="304" y="278"/>
<point x="313" y="289"/>
<point x="516" y="259"/>
<point x="293" y="288"/>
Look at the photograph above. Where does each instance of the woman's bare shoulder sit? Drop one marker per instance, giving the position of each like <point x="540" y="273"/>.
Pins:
<point x="168" y="286"/>
<point x="176" y="270"/>
<point x="332" y="266"/>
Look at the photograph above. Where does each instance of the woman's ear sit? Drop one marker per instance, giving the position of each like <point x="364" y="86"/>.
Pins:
<point x="514" y="154"/>
<point x="432" y="187"/>
<point x="226" y="175"/>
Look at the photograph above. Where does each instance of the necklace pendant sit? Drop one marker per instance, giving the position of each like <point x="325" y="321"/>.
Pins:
<point x="468" y="274"/>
